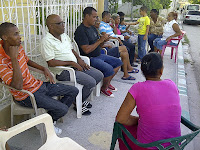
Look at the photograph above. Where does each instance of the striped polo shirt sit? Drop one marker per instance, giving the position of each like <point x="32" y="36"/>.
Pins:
<point x="105" y="27"/>
<point x="6" y="72"/>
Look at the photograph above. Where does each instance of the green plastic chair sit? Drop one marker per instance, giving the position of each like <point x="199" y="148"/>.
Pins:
<point x="183" y="140"/>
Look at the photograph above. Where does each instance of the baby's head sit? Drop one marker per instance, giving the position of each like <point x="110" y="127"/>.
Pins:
<point x="152" y="65"/>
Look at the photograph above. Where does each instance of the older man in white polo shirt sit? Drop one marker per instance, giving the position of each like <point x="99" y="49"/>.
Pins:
<point x="57" y="50"/>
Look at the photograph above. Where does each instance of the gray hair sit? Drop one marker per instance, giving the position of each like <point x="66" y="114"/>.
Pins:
<point x="114" y="16"/>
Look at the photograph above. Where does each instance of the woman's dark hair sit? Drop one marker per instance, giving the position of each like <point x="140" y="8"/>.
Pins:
<point x="150" y="64"/>
<point x="121" y="14"/>
<point x="155" y="11"/>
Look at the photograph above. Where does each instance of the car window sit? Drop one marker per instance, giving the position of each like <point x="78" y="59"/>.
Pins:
<point x="193" y="7"/>
<point x="194" y="13"/>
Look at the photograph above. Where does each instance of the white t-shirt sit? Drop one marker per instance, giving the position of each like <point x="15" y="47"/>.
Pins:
<point x="168" y="31"/>
<point x="53" y="48"/>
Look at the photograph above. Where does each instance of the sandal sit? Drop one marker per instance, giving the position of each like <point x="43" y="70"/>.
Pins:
<point x="133" y="65"/>
<point x="87" y="104"/>
<point x="138" y="61"/>
<point x="85" y="111"/>
<point x="134" y="71"/>
<point x="128" y="78"/>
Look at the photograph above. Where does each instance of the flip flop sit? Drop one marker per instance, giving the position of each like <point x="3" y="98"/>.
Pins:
<point x="128" y="78"/>
<point x="134" y="71"/>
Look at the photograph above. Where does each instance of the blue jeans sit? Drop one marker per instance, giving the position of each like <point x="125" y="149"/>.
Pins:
<point x="131" y="50"/>
<point x="158" y="43"/>
<point x="105" y="64"/>
<point x="43" y="97"/>
<point x="151" y="38"/>
<point x="141" y="46"/>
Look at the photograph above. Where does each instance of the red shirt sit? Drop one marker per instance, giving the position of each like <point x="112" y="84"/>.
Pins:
<point x="6" y="72"/>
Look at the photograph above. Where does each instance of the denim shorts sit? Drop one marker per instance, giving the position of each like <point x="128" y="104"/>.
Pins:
<point x="106" y="64"/>
<point x="158" y="43"/>
<point x="113" y="52"/>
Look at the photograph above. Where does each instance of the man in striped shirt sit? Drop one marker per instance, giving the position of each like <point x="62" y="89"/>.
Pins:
<point x="15" y="73"/>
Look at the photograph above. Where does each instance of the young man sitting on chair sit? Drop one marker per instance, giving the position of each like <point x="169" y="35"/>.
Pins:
<point x="57" y="50"/>
<point x="14" y="72"/>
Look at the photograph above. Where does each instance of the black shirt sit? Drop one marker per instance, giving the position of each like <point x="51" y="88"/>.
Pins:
<point x="87" y="36"/>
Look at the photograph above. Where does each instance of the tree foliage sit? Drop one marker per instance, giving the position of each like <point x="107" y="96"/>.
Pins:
<point x="152" y="4"/>
<point x="113" y="6"/>
<point x="194" y="1"/>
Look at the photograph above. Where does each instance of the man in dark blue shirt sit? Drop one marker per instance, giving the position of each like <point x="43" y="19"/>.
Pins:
<point x="90" y="44"/>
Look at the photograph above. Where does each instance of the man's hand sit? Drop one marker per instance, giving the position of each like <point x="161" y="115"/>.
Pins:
<point x="145" y="37"/>
<point x="104" y="38"/>
<point x="112" y="21"/>
<point x="126" y="37"/>
<point x="77" y="66"/>
<point x="13" y="51"/>
<point x="83" y="64"/>
<point x="49" y="76"/>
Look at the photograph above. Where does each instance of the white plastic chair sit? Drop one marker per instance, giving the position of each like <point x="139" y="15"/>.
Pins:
<point x="53" y="142"/>
<point x="74" y="83"/>
<point x="16" y="109"/>
<point x="87" y="61"/>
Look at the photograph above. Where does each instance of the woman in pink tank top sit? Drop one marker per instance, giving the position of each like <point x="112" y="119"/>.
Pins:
<point x="158" y="106"/>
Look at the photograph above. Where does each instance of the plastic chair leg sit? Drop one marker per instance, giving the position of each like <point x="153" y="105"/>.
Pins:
<point x="98" y="89"/>
<point x="176" y="53"/>
<point x="79" y="101"/>
<point x="91" y="97"/>
<point x="163" y="51"/>
<point x="12" y="118"/>
<point x="172" y="51"/>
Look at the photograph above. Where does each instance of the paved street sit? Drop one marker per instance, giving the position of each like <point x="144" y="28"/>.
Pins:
<point x="192" y="53"/>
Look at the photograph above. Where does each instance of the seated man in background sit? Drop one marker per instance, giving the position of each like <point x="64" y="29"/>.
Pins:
<point x="156" y="27"/>
<point x="120" y="51"/>
<point x="105" y="28"/>
<point x="90" y="44"/>
<point x="57" y="50"/>
<point x="14" y="72"/>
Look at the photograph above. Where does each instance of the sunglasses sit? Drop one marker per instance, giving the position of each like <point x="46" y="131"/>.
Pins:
<point x="59" y="23"/>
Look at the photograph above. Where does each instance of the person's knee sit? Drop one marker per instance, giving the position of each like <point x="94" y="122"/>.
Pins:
<point x="99" y="76"/>
<point x="124" y="55"/>
<point x="91" y="83"/>
<point x="122" y="48"/>
<point x="108" y="71"/>
<point x="74" y="91"/>
<point x="63" y="110"/>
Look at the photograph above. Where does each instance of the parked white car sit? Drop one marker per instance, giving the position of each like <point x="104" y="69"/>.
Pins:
<point x="190" y="7"/>
<point x="192" y="17"/>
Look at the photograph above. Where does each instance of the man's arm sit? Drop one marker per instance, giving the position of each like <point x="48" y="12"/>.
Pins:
<point x="80" y="61"/>
<point x="54" y="63"/>
<point x="46" y="70"/>
<point x="17" y="79"/>
<point x="132" y="23"/>
<point x="111" y="37"/>
<point x="89" y="48"/>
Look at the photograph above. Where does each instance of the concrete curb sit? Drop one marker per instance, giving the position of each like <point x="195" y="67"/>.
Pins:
<point x="181" y="83"/>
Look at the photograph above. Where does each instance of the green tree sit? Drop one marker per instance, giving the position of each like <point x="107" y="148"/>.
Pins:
<point x="194" y="1"/>
<point x="113" y="6"/>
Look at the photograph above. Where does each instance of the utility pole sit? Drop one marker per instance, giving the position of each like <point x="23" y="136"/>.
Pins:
<point x="106" y="5"/>
<point x="132" y="11"/>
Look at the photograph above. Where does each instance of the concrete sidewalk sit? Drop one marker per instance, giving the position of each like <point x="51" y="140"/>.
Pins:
<point x="94" y="132"/>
